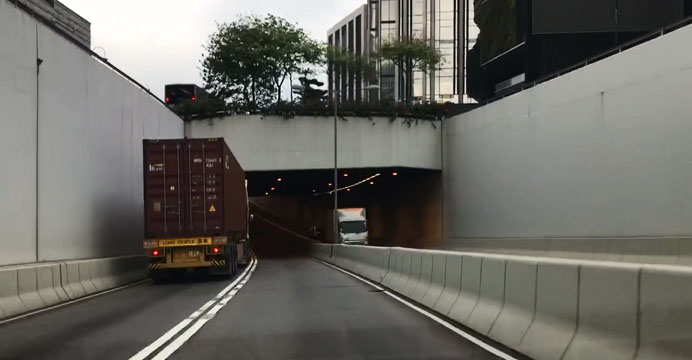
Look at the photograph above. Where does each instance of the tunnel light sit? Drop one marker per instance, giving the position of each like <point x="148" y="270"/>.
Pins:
<point x="395" y="174"/>
<point x="349" y="187"/>
<point x="267" y="194"/>
<point x="346" y="175"/>
<point x="279" y="179"/>
<point x="272" y="189"/>
<point x="313" y="190"/>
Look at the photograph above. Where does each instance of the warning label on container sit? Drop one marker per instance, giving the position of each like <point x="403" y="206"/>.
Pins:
<point x="212" y="208"/>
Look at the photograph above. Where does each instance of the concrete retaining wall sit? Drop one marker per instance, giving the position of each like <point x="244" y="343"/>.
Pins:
<point x="71" y="135"/>
<point x="307" y="143"/>
<point x="31" y="287"/>
<point x="592" y="164"/>
<point x="543" y="308"/>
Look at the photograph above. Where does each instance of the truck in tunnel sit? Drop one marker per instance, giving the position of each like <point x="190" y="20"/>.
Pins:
<point x="196" y="207"/>
<point x="351" y="225"/>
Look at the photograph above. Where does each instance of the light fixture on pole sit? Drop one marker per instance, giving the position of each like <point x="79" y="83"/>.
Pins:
<point x="104" y="57"/>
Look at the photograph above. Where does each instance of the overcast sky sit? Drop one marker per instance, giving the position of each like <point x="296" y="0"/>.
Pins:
<point x="160" y="41"/>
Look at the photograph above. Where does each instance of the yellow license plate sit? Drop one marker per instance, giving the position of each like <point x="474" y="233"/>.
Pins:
<point x="185" y="242"/>
<point x="186" y="255"/>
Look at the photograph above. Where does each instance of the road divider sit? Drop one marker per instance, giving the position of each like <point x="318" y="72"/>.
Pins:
<point x="545" y="308"/>
<point x="470" y="289"/>
<point x="34" y="287"/>
<point x="27" y="287"/>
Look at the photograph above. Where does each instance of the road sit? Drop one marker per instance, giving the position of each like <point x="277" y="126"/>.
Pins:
<point x="290" y="308"/>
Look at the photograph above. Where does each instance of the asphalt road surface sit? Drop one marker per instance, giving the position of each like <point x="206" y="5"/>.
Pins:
<point x="288" y="308"/>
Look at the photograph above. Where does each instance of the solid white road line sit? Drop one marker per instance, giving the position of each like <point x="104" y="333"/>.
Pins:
<point x="182" y="339"/>
<point x="144" y="353"/>
<point x="480" y="343"/>
<point x="57" y="306"/>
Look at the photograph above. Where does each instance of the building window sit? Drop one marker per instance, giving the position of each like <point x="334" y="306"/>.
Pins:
<point x="389" y="10"/>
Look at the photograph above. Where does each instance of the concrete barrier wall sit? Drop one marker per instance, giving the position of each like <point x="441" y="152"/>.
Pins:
<point x="307" y="143"/>
<point x="599" y="153"/>
<point x="651" y="250"/>
<point x="543" y="308"/>
<point x="70" y="148"/>
<point x="30" y="287"/>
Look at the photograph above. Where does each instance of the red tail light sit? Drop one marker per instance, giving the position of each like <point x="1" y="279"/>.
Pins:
<point x="215" y="250"/>
<point x="193" y="98"/>
<point x="155" y="253"/>
<point x="168" y="99"/>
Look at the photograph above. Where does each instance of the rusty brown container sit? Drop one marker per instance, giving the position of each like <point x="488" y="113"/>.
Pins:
<point x="193" y="187"/>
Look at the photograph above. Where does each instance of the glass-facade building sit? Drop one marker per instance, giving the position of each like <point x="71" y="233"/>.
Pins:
<point x="446" y="24"/>
<point x="349" y="35"/>
<point x="440" y="22"/>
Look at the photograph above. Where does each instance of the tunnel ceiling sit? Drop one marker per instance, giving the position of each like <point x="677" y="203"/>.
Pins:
<point x="316" y="182"/>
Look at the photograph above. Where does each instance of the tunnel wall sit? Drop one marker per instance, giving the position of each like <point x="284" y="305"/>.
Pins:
<point x="76" y="114"/>
<point x="602" y="152"/>
<point x="306" y="143"/>
<point x="405" y="214"/>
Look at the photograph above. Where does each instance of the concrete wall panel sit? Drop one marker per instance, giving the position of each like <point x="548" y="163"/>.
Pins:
<point x="17" y="136"/>
<point x="608" y="299"/>
<point x="95" y="130"/>
<point x="27" y="286"/>
<point x="470" y="289"/>
<point x="71" y="142"/>
<point x="555" y="323"/>
<point x="600" y="152"/>
<point x="414" y="275"/>
<point x="425" y="278"/>
<point x="519" y="304"/>
<point x="491" y="297"/>
<point x="437" y="282"/>
<point x="273" y="143"/>
<point x="452" y="284"/>
<point x="666" y="314"/>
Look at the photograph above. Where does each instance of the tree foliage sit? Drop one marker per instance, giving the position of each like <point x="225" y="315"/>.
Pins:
<point x="247" y="61"/>
<point x="311" y="95"/>
<point x="409" y="55"/>
<point x="342" y="59"/>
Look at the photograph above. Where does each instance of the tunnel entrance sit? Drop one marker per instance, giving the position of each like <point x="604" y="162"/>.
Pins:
<point x="404" y="205"/>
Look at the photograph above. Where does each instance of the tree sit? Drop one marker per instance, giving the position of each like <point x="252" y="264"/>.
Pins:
<point x="247" y="61"/>
<point x="310" y="94"/>
<point x="346" y="62"/>
<point x="234" y="67"/>
<point x="290" y="50"/>
<point x="409" y="55"/>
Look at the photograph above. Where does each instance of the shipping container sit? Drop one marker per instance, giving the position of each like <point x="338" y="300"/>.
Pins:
<point x="196" y="205"/>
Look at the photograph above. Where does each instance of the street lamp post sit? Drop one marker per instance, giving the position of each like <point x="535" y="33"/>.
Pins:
<point x="335" y="221"/>
<point x="336" y="93"/>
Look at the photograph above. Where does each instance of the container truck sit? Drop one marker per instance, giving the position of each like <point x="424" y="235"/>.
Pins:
<point x="196" y="207"/>
<point x="352" y="226"/>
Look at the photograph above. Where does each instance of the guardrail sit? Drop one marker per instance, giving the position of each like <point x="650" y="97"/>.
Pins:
<point x="544" y="308"/>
